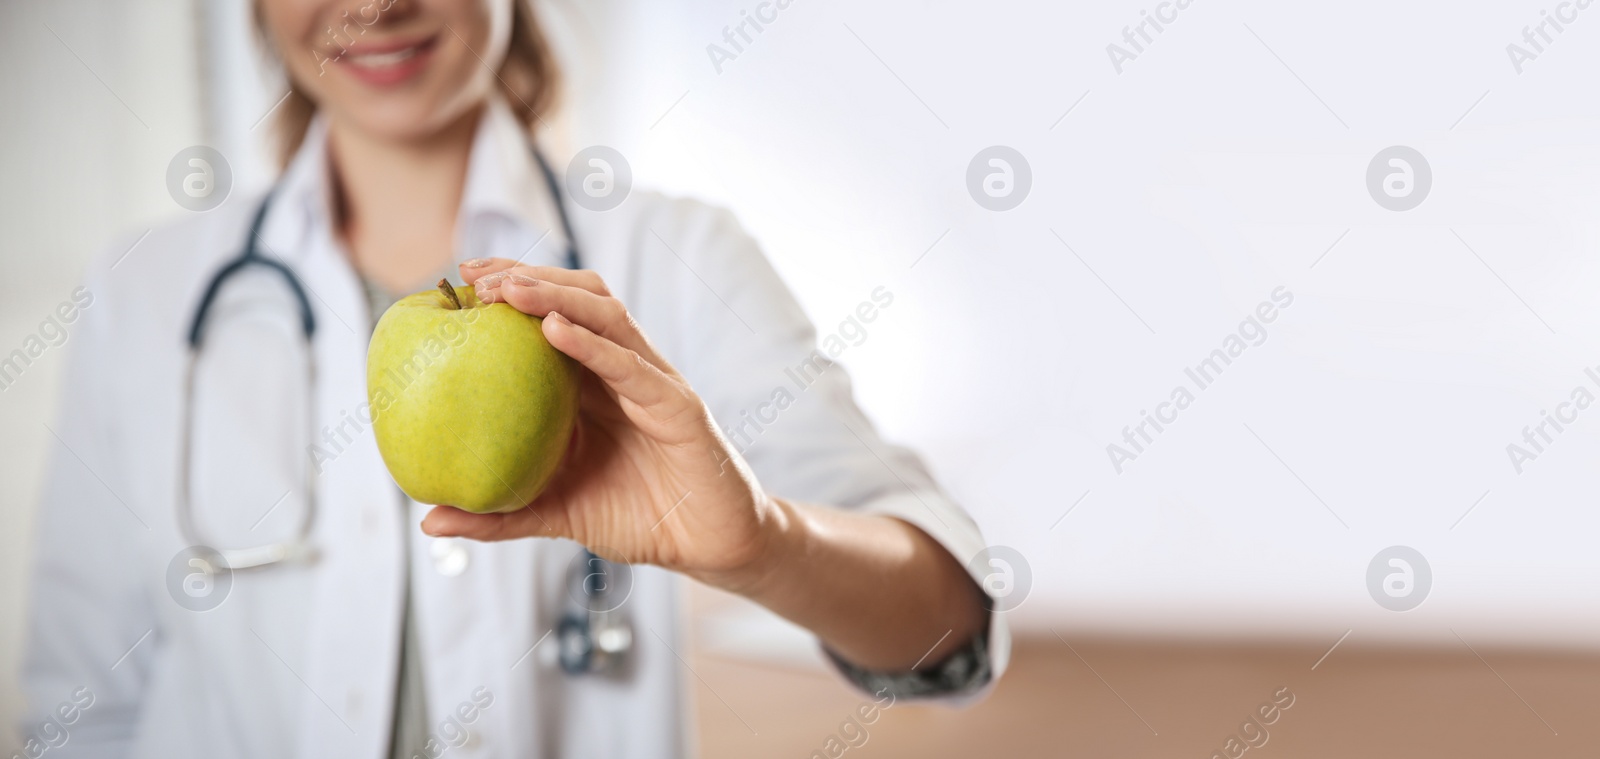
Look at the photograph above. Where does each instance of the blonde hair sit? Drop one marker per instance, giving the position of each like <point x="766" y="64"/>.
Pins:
<point x="528" y="78"/>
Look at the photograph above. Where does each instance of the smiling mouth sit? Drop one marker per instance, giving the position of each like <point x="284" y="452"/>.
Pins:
<point x="375" y="58"/>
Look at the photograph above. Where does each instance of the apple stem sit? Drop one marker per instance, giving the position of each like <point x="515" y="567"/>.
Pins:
<point x="450" y="294"/>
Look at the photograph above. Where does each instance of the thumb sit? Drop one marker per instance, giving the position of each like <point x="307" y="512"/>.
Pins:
<point x="527" y="522"/>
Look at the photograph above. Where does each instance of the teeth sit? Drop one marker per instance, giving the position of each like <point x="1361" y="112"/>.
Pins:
<point x="376" y="60"/>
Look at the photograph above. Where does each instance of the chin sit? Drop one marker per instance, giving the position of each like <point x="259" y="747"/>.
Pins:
<point x="407" y="118"/>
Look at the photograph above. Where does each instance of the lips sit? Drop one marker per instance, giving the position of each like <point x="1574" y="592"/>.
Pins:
<point x="387" y="63"/>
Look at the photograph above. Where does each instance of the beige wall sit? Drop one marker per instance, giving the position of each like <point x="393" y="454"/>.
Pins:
<point x="1166" y="698"/>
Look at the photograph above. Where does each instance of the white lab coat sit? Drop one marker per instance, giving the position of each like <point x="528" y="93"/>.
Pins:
<point x="303" y="660"/>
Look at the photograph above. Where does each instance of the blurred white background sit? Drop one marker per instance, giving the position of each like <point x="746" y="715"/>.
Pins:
<point x="1228" y="159"/>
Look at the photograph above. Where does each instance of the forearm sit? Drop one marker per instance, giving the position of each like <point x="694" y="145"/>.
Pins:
<point x="878" y="591"/>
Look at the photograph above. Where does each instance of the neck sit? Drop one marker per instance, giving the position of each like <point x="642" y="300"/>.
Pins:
<point x="395" y="202"/>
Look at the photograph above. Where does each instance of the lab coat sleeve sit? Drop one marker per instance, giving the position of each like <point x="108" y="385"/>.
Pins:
<point x="788" y="408"/>
<point x="91" y="630"/>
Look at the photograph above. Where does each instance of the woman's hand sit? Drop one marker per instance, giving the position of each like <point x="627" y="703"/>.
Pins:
<point x="648" y="475"/>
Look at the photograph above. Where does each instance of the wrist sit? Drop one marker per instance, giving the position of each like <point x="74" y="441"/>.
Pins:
<point x="780" y="539"/>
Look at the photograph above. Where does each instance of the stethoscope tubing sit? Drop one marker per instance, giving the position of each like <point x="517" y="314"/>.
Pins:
<point x="251" y="256"/>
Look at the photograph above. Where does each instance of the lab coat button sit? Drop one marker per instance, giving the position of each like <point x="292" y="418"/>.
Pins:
<point x="450" y="556"/>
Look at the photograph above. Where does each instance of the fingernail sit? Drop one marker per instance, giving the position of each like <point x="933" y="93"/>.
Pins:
<point x="523" y="280"/>
<point x="485" y="295"/>
<point x="491" y="280"/>
<point x="476" y="263"/>
<point x="429" y="530"/>
<point x="559" y="318"/>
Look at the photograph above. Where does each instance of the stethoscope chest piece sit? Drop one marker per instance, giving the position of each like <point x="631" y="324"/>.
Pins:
<point x="594" y="635"/>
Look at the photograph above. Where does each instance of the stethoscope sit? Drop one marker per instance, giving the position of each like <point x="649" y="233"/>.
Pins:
<point x="594" y="635"/>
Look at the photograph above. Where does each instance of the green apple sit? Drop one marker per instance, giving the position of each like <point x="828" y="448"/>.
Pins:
<point x="471" y="406"/>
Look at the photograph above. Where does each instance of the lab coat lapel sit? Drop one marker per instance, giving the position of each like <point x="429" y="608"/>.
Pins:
<point x="353" y="643"/>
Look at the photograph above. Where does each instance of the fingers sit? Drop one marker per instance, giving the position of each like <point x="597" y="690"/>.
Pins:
<point x="663" y="397"/>
<point x="479" y="268"/>
<point x="582" y="320"/>
<point x="603" y="315"/>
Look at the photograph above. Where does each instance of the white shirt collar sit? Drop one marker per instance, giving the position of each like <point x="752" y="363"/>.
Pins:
<point x="504" y="185"/>
<point x="504" y="182"/>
